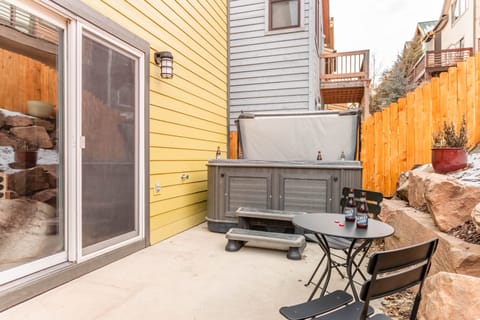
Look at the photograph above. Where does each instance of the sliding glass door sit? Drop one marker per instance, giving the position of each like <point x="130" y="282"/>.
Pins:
<point x="72" y="171"/>
<point x="32" y="210"/>
<point x="110" y="102"/>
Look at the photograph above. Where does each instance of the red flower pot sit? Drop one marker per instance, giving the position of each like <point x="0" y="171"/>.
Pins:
<point x="25" y="159"/>
<point x="448" y="159"/>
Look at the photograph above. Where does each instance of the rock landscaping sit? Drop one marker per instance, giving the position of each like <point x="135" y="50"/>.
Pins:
<point x="433" y="205"/>
<point x="28" y="194"/>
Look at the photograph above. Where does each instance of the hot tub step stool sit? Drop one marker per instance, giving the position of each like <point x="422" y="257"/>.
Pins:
<point x="238" y="237"/>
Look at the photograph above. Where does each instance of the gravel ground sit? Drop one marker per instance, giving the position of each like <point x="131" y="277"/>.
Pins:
<point x="467" y="232"/>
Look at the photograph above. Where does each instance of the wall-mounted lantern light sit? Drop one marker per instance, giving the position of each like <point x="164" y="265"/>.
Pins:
<point x="165" y="60"/>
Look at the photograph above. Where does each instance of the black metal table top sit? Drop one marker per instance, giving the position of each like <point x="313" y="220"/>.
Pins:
<point x="333" y="224"/>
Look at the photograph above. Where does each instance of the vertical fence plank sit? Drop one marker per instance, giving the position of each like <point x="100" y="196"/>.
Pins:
<point x="394" y="140"/>
<point x="477" y="98"/>
<point x="452" y="95"/>
<point x="402" y="134"/>
<point x="461" y="94"/>
<point x="367" y="146"/>
<point x="418" y="122"/>
<point x="370" y="165"/>
<point x="378" y="152"/>
<point x="470" y="101"/>
<point x="410" y="112"/>
<point x="436" y="123"/>
<point x="443" y="115"/>
<point x="364" y="151"/>
<point x="386" y="150"/>
<point x="427" y="123"/>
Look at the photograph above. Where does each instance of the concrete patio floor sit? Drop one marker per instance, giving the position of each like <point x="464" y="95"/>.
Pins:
<point x="189" y="276"/>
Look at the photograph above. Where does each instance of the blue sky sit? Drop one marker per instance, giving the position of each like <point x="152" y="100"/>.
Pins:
<point x="382" y="26"/>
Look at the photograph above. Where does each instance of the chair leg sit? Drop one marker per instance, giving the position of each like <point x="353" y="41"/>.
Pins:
<point x="315" y="271"/>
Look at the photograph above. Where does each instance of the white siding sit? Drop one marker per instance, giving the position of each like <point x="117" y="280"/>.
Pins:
<point x="461" y="28"/>
<point x="269" y="71"/>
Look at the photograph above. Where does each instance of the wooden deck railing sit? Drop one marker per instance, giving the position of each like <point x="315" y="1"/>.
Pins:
<point x="437" y="61"/>
<point x="345" y="66"/>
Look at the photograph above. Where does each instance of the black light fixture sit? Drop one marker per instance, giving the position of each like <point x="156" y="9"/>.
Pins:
<point x="165" y="60"/>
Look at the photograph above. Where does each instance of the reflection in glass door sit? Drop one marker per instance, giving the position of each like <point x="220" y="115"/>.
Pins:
<point x="32" y="216"/>
<point x="109" y="103"/>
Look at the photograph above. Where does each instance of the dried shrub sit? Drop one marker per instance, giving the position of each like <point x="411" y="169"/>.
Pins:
<point x="449" y="138"/>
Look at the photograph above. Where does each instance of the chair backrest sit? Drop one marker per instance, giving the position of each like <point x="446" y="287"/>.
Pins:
<point x="374" y="199"/>
<point x="396" y="270"/>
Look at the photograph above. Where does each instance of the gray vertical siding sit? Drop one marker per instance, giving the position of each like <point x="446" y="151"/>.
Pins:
<point x="269" y="71"/>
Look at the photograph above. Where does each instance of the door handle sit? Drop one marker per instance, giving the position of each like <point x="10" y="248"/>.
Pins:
<point x="82" y="142"/>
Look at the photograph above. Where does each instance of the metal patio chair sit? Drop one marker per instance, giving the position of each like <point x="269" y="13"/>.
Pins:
<point x="374" y="200"/>
<point x="391" y="271"/>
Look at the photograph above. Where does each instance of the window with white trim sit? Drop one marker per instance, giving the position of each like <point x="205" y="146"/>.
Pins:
<point x="284" y="14"/>
<point x="459" y="7"/>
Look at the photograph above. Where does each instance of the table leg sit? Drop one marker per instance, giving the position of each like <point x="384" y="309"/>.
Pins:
<point x="322" y="241"/>
<point x="350" y="259"/>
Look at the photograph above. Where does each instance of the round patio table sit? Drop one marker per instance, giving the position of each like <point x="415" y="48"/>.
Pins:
<point x="332" y="224"/>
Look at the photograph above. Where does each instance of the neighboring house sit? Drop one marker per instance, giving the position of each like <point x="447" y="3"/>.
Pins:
<point x="123" y="151"/>
<point x="453" y="39"/>
<point x="422" y="31"/>
<point x="274" y="49"/>
<point x="277" y="61"/>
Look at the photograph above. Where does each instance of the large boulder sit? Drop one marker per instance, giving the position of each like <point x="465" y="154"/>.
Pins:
<point x="449" y="202"/>
<point x="27" y="182"/>
<point x="18" y="121"/>
<point x="48" y="125"/>
<point x="414" y="226"/>
<point x="417" y="181"/>
<point x="26" y="231"/>
<point x="402" y="185"/>
<point x="5" y="140"/>
<point x="450" y="296"/>
<point x="48" y="196"/>
<point x="476" y="217"/>
<point x="35" y="135"/>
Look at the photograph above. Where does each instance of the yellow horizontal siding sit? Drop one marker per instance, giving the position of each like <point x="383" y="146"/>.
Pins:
<point x="193" y="94"/>
<point x="166" y="205"/>
<point x="173" y="179"/>
<point x="198" y="81"/>
<point x="174" y="129"/>
<point x="165" y="141"/>
<point x="178" y="215"/>
<point x="188" y="114"/>
<point x="172" y="154"/>
<point x="175" y="191"/>
<point x="162" y="167"/>
<point x="182" y="116"/>
<point x="162" y="231"/>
